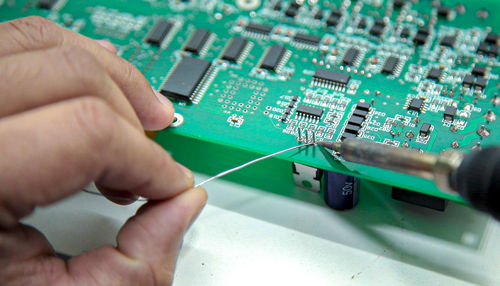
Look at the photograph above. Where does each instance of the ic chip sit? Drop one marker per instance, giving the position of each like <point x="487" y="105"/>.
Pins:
<point x="480" y="83"/>
<point x="448" y="41"/>
<point x="273" y="57"/>
<point x="405" y="32"/>
<point x="331" y="77"/>
<point x="449" y="113"/>
<point x="159" y="32"/>
<point x="444" y="12"/>
<point x="354" y="129"/>
<point x="235" y="49"/>
<point x="376" y="30"/>
<point x="425" y="130"/>
<point x="318" y="15"/>
<point x="468" y="80"/>
<point x="435" y="74"/>
<point x="348" y="135"/>
<point x="46" y="4"/>
<point x="307" y="39"/>
<point x="258" y="28"/>
<point x="360" y="113"/>
<point x="416" y="104"/>
<point x="491" y="38"/>
<point x="310" y="111"/>
<point x="399" y="3"/>
<point x="363" y="106"/>
<point x="197" y="41"/>
<point x="292" y="11"/>
<point x="185" y="78"/>
<point x="483" y="48"/>
<point x="479" y="70"/>
<point x="350" y="57"/>
<point x="334" y="18"/>
<point x="390" y="65"/>
<point x="362" y="23"/>
<point x="356" y="120"/>
<point x="421" y="36"/>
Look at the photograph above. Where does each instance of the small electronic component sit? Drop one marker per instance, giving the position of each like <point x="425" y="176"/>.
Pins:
<point x="318" y="15"/>
<point x="480" y="83"/>
<point x="449" y="113"/>
<point x="186" y="77"/>
<point x="310" y="111"/>
<point x="293" y="9"/>
<point x="390" y="65"/>
<point x="307" y="39"/>
<point x="425" y="130"/>
<point x="277" y="6"/>
<point x="377" y="28"/>
<point x="341" y="191"/>
<point x="258" y="28"/>
<point x="235" y="49"/>
<point x="443" y="12"/>
<point x="468" y="80"/>
<point x="360" y="113"/>
<point x="350" y="57"/>
<point x="435" y="74"/>
<point x="363" y="106"/>
<point x="159" y="32"/>
<point x="421" y="36"/>
<point x="399" y="3"/>
<point x="334" y="18"/>
<point x="416" y="104"/>
<point x="405" y="32"/>
<point x="351" y="128"/>
<point x="356" y="120"/>
<point x="491" y="38"/>
<point x="346" y="135"/>
<point x="197" y="41"/>
<point x="448" y="41"/>
<point x="47" y="4"/>
<point x="331" y="78"/>
<point x="479" y="70"/>
<point x="273" y="58"/>
<point x="362" y="23"/>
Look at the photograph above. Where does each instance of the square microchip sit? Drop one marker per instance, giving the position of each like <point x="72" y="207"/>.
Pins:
<point x="435" y="74"/>
<point x="449" y="113"/>
<point x="331" y="77"/>
<point x="416" y="104"/>
<point x="350" y="57"/>
<point x="390" y="65"/>
<point x="480" y="83"/>
<point x="425" y="130"/>
<point x="235" y="48"/>
<point x="197" y="41"/>
<point x="479" y="70"/>
<point x="310" y="111"/>
<point x="356" y="120"/>
<point x="185" y="78"/>
<point x="448" y="41"/>
<point x="273" y="57"/>
<point x="468" y="80"/>
<point x="159" y="32"/>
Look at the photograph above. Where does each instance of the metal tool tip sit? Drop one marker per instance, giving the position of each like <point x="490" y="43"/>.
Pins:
<point x="330" y="145"/>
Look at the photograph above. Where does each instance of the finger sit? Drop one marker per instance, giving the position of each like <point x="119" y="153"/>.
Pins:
<point x="38" y="33"/>
<point x="73" y="143"/>
<point x="152" y="239"/>
<point x="148" y="246"/>
<point x="36" y="78"/>
<point x="107" y="45"/>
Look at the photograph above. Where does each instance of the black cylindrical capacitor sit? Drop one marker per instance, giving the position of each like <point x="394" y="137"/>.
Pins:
<point x="341" y="191"/>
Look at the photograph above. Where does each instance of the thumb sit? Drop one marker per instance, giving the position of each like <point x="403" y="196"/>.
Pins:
<point x="148" y="245"/>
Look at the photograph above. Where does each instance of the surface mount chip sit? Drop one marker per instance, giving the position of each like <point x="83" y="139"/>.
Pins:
<point x="416" y="104"/>
<point x="468" y="80"/>
<point x="46" y="4"/>
<point x="185" y="78"/>
<point x="479" y="70"/>
<point x="435" y="74"/>
<point x="309" y="111"/>
<point x="448" y="41"/>
<point x="258" y="28"/>
<point x="334" y="18"/>
<point x="273" y="57"/>
<point x="159" y="32"/>
<point x="197" y="41"/>
<point x="331" y="77"/>
<point x="425" y="129"/>
<point x="235" y="49"/>
<point x="390" y="65"/>
<point x="307" y="39"/>
<point x="449" y="113"/>
<point x="350" y="57"/>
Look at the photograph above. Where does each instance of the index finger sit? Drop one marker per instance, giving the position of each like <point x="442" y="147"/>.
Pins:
<point x="35" y="32"/>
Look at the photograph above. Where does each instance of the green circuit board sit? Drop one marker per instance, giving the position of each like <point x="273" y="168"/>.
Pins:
<point x="262" y="76"/>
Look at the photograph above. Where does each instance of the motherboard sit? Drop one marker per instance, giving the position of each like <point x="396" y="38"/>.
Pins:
<point x="261" y="76"/>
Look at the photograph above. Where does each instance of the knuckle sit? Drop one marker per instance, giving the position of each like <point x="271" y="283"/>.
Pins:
<point x="96" y="122"/>
<point x="36" y="29"/>
<point x="79" y="61"/>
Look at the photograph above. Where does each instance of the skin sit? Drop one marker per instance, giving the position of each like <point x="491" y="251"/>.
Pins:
<point x="72" y="112"/>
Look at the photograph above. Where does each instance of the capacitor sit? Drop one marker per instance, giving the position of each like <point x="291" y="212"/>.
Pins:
<point x="341" y="191"/>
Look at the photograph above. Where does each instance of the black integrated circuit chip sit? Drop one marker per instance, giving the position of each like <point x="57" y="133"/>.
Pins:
<point x="331" y="77"/>
<point x="479" y="70"/>
<point x="405" y="32"/>
<point x="390" y="65"/>
<point x="363" y="106"/>
<point x="449" y="113"/>
<point x="159" y="32"/>
<point x="273" y="57"/>
<point x="310" y="111"/>
<point x="185" y="78"/>
<point x="421" y="36"/>
<point x="425" y="130"/>
<point x="448" y="41"/>
<point x="258" y="28"/>
<point x="360" y="113"/>
<point x="377" y="28"/>
<point x="46" y="4"/>
<point x="354" y="129"/>
<point x="435" y="74"/>
<point x="348" y="135"/>
<point x="480" y="83"/>
<point x="416" y="104"/>
<point x="468" y="80"/>
<point x="318" y="15"/>
<point x="399" y="3"/>
<point x="443" y="12"/>
<point x="235" y="49"/>
<point x="362" y="23"/>
<point x="307" y="39"/>
<point x="334" y="18"/>
<point x="197" y="41"/>
<point x="356" y="120"/>
<point x="350" y="57"/>
<point x="492" y="38"/>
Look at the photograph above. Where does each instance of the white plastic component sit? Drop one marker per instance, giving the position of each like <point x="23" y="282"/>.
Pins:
<point x="307" y="177"/>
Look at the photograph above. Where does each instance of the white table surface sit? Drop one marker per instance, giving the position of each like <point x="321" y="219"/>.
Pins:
<point x="246" y="236"/>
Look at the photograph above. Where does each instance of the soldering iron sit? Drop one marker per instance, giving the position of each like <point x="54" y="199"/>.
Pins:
<point x="475" y="175"/>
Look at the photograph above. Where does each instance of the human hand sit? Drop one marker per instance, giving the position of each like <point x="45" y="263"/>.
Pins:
<point x="72" y="112"/>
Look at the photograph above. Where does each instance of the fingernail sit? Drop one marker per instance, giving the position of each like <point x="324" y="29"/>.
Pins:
<point x="107" y="45"/>
<point x="163" y="99"/>
<point x="185" y="171"/>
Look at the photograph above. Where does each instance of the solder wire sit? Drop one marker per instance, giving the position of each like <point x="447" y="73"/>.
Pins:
<point x="219" y="175"/>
